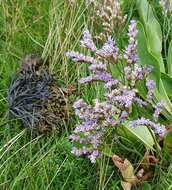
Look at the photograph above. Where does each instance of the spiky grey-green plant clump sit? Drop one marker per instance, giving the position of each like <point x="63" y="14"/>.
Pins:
<point x="34" y="98"/>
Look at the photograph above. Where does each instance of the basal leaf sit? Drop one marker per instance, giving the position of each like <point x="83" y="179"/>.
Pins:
<point x="153" y="31"/>
<point x="143" y="134"/>
<point x="145" y="57"/>
<point x="161" y="95"/>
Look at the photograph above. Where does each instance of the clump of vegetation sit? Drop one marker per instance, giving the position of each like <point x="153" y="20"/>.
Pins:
<point x="35" y="98"/>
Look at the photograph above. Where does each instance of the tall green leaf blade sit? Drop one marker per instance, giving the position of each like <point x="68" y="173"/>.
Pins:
<point x="147" y="59"/>
<point x="153" y="31"/>
<point x="161" y="95"/>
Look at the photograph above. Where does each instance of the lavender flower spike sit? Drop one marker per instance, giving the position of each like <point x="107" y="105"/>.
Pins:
<point x="131" y="50"/>
<point x="150" y="84"/>
<point x="78" y="57"/>
<point x="159" y="129"/>
<point x="87" y="41"/>
<point x="109" y="49"/>
<point x="101" y="76"/>
<point x="95" y="67"/>
<point x="158" y="110"/>
<point x="79" y="104"/>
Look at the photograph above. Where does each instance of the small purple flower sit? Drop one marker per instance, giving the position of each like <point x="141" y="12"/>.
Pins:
<point x="126" y="99"/>
<point x="98" y="67"/>
<point x="130" y="55"/>
<point x="87" y="41"/>
<point x="111" y="83"/>
<point x="104" y="76"/>
<point x="109" y="49"/>
<point x="98" y="76"/>
<point x="132" y="31"/>
<point x="74" y="137"/>
<point x="93" y="156"/>
<point x="78" y="57"/>
<point x="158" y="110"/>
<point x="147" y="70"/>
<point x="159" y="129"/>
<point x="138" y="72"/>
<point x="76" y="152"/>
<point x="79" y="104"/>
<point x="150" y="84"/>
<point x="87" y="79"/>
<point x="140" y="102"/>
<point x="128" y="72"/>
<point x="124" y="115"/>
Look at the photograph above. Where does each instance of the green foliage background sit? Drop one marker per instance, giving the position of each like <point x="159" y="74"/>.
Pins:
<point x="44" y="162"/>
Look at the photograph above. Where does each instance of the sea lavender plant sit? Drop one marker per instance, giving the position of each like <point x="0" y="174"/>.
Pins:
<point x="120" y="95"/>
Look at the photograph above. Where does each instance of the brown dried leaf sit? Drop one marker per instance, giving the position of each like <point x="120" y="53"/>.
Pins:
<point x="125" y="168"/>
<point x="148" y="161"/>
<point x="128" y="173"/>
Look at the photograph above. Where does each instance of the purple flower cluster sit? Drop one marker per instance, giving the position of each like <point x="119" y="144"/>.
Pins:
<point x="136" y="73"/>
<point x="119" y="97"/>
<point x="78" y="57"/>
<point x="158" y="110"/>
<point x="109" y="50"/>
<point x="122" y="97"/>
<point x="87" y="41"/>
<point x="159" y="129"/>
<point x="131" y="50"/>
<point x="150" y="84"/>
<point x="94" y="120"/>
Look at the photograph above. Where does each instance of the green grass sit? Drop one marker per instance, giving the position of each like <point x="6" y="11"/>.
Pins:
<point x="44" y="162"/>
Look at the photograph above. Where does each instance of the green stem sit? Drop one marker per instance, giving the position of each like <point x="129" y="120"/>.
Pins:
<point x="156" y="143"/>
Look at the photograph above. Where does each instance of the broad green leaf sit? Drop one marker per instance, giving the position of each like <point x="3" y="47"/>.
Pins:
<point x="146" y="13"/>
<point x="169" y="59"/>
<point x="153" y="31"/>
<point x="161" y="95"/>
<point x="142" y="133"/>
<point x="145" y="57"/>
<point x="154" y="45"/>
